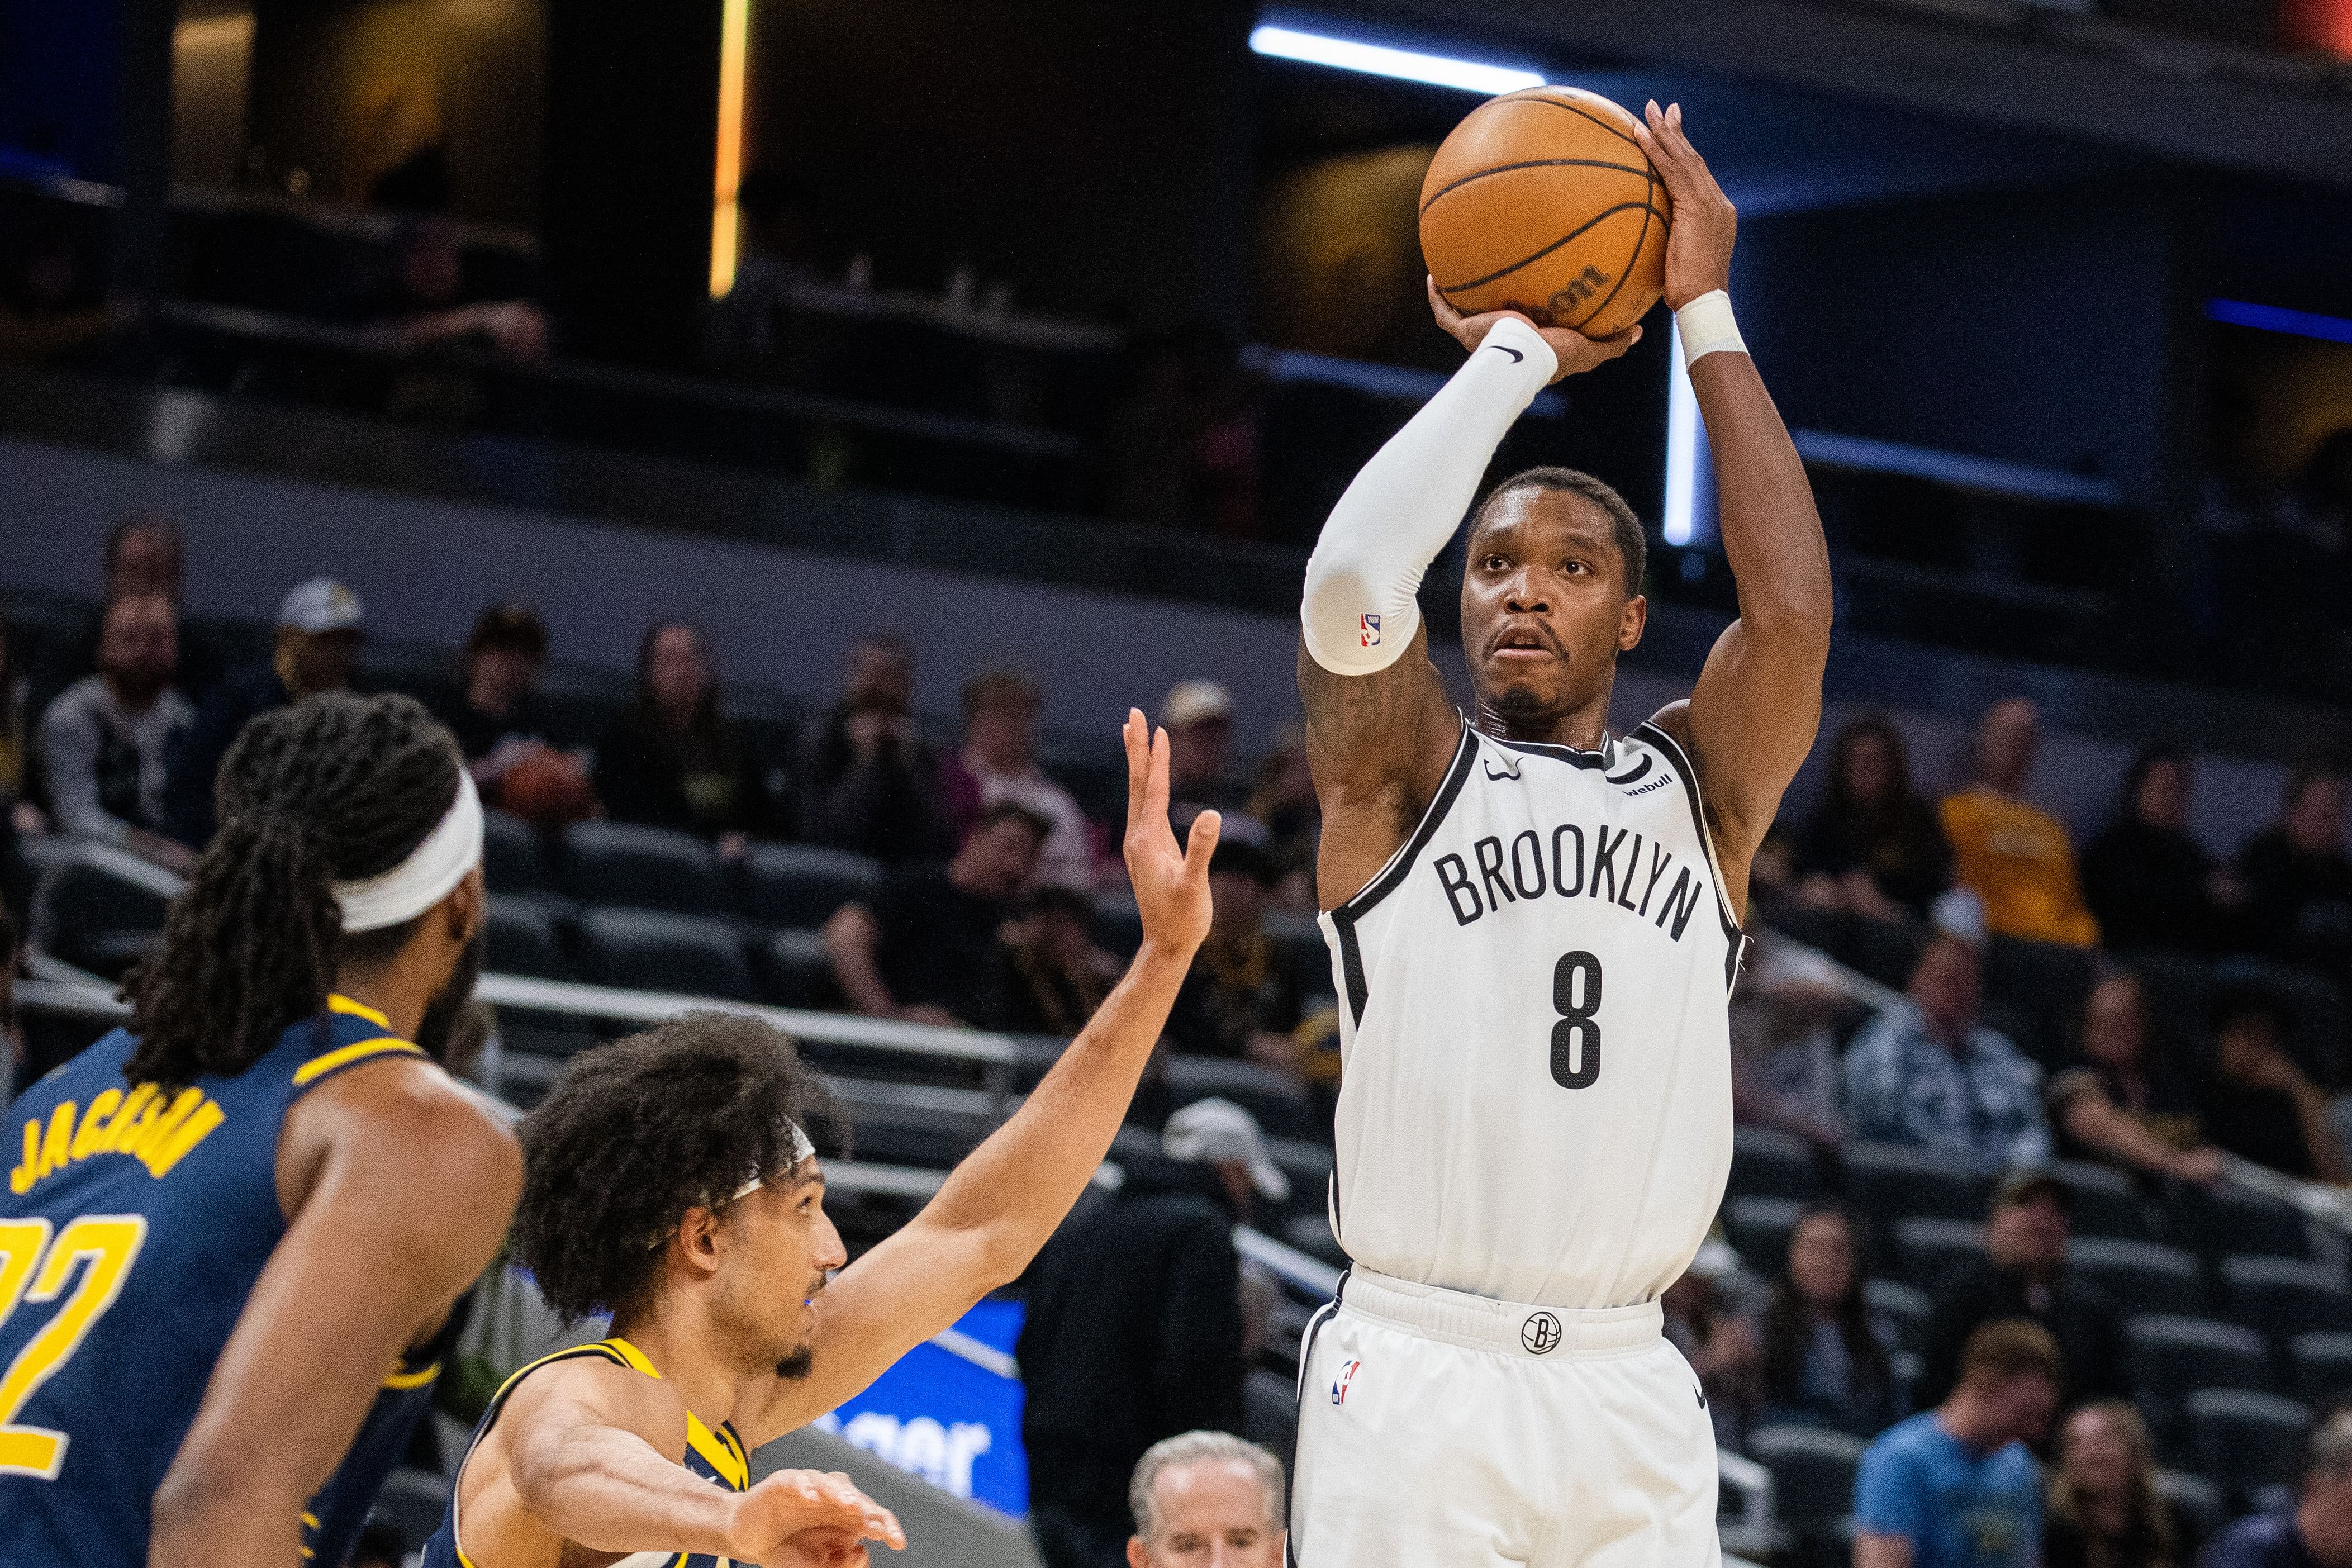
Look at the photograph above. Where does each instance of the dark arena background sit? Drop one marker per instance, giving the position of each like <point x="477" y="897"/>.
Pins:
<point x="766" y="431"/>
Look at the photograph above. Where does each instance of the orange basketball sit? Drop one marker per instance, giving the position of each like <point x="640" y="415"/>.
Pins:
<point x="1543" y="202"/>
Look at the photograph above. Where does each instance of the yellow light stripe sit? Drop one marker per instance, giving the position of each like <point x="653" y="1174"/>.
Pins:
<point x="734" y="46"/>
<point x="338" y="1002"/>
<point x="318" y="1067"/>
<point x="309" y="1519"/>
<point x="401" y="1382"/>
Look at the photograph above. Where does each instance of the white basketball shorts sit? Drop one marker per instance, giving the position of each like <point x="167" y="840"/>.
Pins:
<point x="1441" y="1430"/>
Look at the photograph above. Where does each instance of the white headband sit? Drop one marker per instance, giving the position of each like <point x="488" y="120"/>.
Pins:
<point x="432" y="869"/>
<point x="797" y="1148"/>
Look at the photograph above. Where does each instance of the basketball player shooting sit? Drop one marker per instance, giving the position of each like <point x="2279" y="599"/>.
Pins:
<point x="1535" y="926"/>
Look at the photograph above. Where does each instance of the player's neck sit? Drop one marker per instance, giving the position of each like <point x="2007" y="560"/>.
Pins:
<point x="1584" y="728"/>
<point x="681" y="1351"/>
<point x="391" y="991"/>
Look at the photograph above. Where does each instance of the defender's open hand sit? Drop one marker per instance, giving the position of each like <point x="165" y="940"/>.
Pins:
<point x="1172" y="884"/>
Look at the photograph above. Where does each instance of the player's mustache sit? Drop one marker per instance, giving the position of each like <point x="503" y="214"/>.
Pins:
<point x="1526" y="626"/>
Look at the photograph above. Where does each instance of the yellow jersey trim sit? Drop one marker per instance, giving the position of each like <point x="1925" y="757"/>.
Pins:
<point x="720" y="1449"/>
<point x="338" y="1002"/>
<point x="402" y="1382"/>
<point x="319" y="1065"/>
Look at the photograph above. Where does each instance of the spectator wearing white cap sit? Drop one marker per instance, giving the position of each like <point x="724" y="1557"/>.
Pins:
<point x="318" y="638"/>
<point x="1198" y="717"/>
<point x="1135" y="1328"/>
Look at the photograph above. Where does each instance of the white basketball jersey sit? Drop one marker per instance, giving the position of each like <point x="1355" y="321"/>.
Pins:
<point x="1537" y="1099"/>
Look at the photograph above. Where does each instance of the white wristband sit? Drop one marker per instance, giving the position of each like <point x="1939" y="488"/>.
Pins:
<point x="1706" y="327"/>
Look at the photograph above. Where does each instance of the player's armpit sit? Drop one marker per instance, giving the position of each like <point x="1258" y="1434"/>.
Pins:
<point x="1378" y="746"/>
<point x="407" y="1184"/>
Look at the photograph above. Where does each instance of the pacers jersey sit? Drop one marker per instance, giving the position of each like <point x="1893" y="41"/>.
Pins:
<point x="717" y="1457"/>
<point x="1536" y="1102"/>
<point x="135" y="1223"/>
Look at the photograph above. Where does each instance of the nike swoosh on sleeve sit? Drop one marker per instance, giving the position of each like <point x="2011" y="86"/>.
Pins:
<point x="1517" y="357"/>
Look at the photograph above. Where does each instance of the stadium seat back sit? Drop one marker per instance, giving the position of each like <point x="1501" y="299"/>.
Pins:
<point x="800" y="885"/>
<point x="2226" y="1221"/>
<point x="512" y="861"/>
<point x="523" y="941"/>
<point x="1767" y="1163"/>
<point x="1930" y="1250"/>
<point x="1812" y="1474"/>
<point x="2106" y="1200"/>
<point x="1907" y="1307"/>
<point x="95" y="918"/>
<point x="649" y="950"/>
<point x="1118" y="924"/>
<point x="795" y="971"/>
<point x="2244" y="1441"/>
<point x="2171" y="1358"/>
<point x="1758" y="1230"/>
<point x="2284" y="1296"/>
<point x="2141" y="1276"/>
<point x="1889" y="1182"/>
<point x="1281" y="1106"/>
<point x="1270" y="1412"/>
<point x="621" y="863"/>
<point x="2046" y="984"/>
<point x="2196" y="1502"/>
<point x="2323" y="1366"/>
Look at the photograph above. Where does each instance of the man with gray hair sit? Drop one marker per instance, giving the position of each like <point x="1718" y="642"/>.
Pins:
<point x="1207" y="1500"/>
<point x="2316" y="1531"/>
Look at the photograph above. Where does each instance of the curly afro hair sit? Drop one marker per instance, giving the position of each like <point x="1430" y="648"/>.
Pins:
<point x="639" y="1131"/>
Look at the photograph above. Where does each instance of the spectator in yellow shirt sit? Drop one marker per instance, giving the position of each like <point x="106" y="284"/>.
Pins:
<point x="2015" y="857"/>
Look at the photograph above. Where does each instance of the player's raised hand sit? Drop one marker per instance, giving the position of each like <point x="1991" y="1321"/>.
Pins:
<point x="1171" y="883"/>
<point x="1698" y="245"/>
<point x="804" y="1516"/>
<point x="1575" y="351"/>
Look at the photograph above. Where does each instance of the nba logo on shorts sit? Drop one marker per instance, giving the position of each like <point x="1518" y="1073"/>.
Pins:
<point x="1368" y="630"/>
<point x="1340" y="1384"/>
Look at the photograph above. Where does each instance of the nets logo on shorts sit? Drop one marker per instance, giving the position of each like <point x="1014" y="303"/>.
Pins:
<point x="1368" y="630"/>
<point x="1340" y="1384"/>
<point x="1540" y="1334"/>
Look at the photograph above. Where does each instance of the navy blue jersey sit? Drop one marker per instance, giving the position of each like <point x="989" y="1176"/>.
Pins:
<point x="135" y="1223"/>
<point x="717" y="1457"/>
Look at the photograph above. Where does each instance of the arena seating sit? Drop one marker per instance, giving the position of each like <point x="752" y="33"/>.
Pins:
<point x="1812" y="1482"/>
<point x="2150" y="1276"/>
<point x="2247" y="1442"/>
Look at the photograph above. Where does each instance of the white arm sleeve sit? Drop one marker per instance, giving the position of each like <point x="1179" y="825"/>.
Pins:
<point x="1359" y="611"/>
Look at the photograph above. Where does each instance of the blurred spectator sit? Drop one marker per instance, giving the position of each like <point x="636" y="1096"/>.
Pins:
<point x="378" y="1547"/>
<point x="671" y="759"/>
<point x="2023" y="1275"/>
<point x="1056" y="976"/>
<point x="1784" y="1057"/>
<point x="2119" y="1101"/>
<point x="2016" y="857"/>
<point x="1134" y="1327"/>
<point x="1207" y="1499"/>
<point x="425" y="300"/>
<point x="1874" y="844"/>
<point x="1198" y="717"/>
<point x="105" y="741"/>
<point x="318" y="638"/>
<point x="1925" y="1073"/>
<point x="927" y="948"/>
<point x="1722" y="1351"/>
<point x="2315" y="1531"/>
<point x="1829" y="1359"/>
<point x="1241" y="999"/>
<point x="1180" y="447"/>
<point x="998" y="761"/>
<point x="867" y="782"/>
<point x="1284" y="799"/>
<point x="2260" y="1105"/>
<point x="501" y="726"/>
<point x="12" y="1027"/>
<point x="15" y="744"/>
<point x="2101" y="1507"/>
<point x="145" y="554"/>
<point x="1957" y="1487"/>
<point x="751" y="323"/>
<point x="46" y="313"/>
<point x="2149" y="880"/>
<point x="2298" y="880"/>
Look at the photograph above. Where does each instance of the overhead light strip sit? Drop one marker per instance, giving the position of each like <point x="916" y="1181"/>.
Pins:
<point x="2277" y="319"/>
<point x="734" y="45"/>
<point x="1401" y="65"/>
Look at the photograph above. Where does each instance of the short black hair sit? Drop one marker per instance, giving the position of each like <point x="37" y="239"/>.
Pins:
<point x="511" y="627"/>
<point x="638" y="1133"/>
<point x="1036" y="822"/>
<point x="1632" y="544"/>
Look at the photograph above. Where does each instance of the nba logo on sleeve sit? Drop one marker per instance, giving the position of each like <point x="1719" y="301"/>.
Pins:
<point x="1340" y="1384"/>
<point x="1368" y="630"/>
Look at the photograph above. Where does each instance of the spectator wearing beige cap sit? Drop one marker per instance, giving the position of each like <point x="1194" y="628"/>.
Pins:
<point x="1135" y="1328"/>
<point x="318" y="638"/>
<point x="1198" y="717"/>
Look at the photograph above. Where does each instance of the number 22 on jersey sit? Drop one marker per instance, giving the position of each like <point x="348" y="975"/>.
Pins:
<point x="35" y="1269"/>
